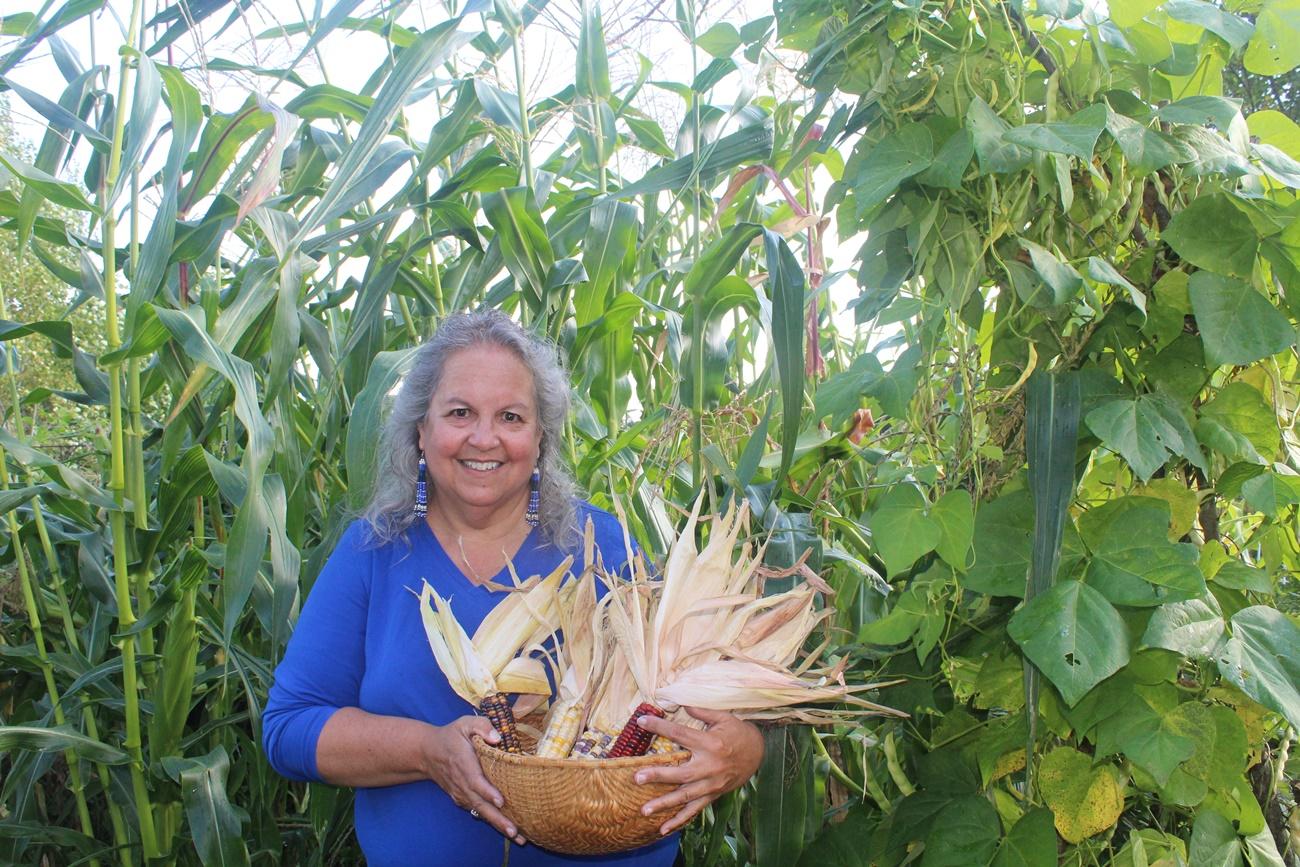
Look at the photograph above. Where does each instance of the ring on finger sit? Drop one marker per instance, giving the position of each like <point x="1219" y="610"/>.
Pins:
<point x="473" y="812"/>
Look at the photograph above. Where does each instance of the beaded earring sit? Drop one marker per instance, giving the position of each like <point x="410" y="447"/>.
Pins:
<point x="534" y="499"/>
<point x="421" y="508"/>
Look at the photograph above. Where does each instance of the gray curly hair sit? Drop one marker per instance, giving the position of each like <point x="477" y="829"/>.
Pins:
<point x="390" y="511"/>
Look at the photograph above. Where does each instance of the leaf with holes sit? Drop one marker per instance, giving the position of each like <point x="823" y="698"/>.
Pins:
<point x="898" y="156"/>
<point x="1074" y="635"/>
<point x="1260" y="658"/>
<point x="1275" y="47"/>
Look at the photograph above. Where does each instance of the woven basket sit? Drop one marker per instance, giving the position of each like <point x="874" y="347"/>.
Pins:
<point x="577" y="806"/>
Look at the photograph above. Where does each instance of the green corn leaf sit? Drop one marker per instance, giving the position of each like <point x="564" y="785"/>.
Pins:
<point x="752" y="144"/>
<point x="413" y="64"/>
<point x="513" y="212"/>
<point x="500" y="106"/>
<point x="57" y="191"/>
<point x="364" y="424"/>
<point x="248" y="535"/>
<point x="59" y="739"/>
<point x="65" y="15"/>
<point x="223" y="136"/>
<point x="592" y="76"/>
<point x="214" y="823"/>
<point x="53" y="149"/>
<point x="609" y="246"/>
<point x="786" y="288"/>
<point x="14" y="497"/>
<point x="784" y="797"/>
<point x="58" y="116"/>
<point x="1052" y="405"/>
<point x="186" y="118"/>
<point x="139" y="127"/>
<point x="66" y="476"/>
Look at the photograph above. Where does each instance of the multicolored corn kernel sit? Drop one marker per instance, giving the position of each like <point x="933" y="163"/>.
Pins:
<point x="562" y="731"/>
<point x="496" y="708"/>
<point x="634" y="740"/>
<point x="583" y="746"/>
<point x="661" y="746"/>
<point x="600" y="749"/>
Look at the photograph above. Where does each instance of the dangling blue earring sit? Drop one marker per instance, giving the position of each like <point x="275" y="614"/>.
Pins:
<point x="421" y="491"/>
<point x="534" y="499"/>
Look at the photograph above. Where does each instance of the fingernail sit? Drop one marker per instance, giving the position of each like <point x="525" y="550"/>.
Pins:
<point x="494" y="736"/>
<point x="645" y="811"/>
<point x="511" y="832"/>
<point x="500" y="803"/>
<point x="520" y="840"/>
<point x="641" y="721"/>
<point x="640" y="778"/>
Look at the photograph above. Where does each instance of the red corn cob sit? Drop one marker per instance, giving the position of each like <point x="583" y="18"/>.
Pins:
<point x="634" y="740"/>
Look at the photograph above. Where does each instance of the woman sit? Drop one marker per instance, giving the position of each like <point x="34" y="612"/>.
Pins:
<point x="470" y="476"/>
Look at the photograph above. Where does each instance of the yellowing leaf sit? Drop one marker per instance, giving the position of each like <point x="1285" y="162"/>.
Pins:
<point x="1009" y="764"/>
<point x="1182" y="502"/>
<point x="1085" y="800"/>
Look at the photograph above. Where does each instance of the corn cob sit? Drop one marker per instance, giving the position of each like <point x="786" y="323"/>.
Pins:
<point x="593" y="744"/>
<point x="562" y="730"/>
<point x="661" y="746"/>
<point x="582" y="746"/>
<point x="497" y="709"/>
<point x="634" y="740"/>
<point x="600" y="750"/>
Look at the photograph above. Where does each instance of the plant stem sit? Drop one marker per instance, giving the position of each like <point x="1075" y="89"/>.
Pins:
<point x="42" y="656"/>
<point x="117" y="470"/>
<point x="697" y="321"/>
<point x="65" y="612"/>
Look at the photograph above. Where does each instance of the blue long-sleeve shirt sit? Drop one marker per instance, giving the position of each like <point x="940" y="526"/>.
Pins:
<point x="360" y="643"/>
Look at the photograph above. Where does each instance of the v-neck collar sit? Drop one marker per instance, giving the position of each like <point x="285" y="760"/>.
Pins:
<point x="521" y="560"/>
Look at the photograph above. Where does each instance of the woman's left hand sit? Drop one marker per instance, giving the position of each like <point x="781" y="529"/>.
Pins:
<point x="723" y="756"/>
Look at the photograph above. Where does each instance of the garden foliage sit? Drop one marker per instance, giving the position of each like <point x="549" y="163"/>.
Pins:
<point x="1052" y="474"/>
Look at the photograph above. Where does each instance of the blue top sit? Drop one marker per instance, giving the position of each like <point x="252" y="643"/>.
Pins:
<point x="360" y="643"/>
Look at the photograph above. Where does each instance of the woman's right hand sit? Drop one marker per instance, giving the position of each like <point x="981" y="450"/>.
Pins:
<point x="454" y="766"/>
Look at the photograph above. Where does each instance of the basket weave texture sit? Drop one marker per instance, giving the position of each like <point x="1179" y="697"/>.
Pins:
<point x="577" y="806"/>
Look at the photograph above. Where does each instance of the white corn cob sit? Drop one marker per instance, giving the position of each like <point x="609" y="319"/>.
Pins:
<point x="562" y="730"/>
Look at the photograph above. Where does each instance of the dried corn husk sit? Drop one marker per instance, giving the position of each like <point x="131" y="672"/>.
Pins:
<point x="706" y="637"/>
<point x="455" y="653"/>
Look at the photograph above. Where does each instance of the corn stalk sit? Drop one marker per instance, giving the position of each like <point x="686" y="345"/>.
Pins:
<point x="117" y="483"/>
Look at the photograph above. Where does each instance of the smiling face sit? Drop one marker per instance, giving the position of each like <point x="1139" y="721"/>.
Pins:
<point x="481" y="435"/>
